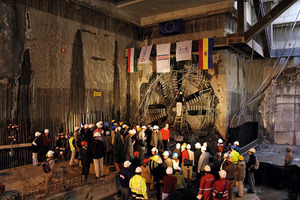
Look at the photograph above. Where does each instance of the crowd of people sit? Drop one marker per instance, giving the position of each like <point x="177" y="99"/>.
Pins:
<point x="150" y="164"/>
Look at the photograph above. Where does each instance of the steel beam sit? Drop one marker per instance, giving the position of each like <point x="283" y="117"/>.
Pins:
<point x="268" y="18"/>
<point x="240" y="16"/>
<point x="265" y="35"/>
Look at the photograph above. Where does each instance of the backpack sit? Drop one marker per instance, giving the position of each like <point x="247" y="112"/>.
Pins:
<point x="256" y="166"/>
<point x="46" y="167"/>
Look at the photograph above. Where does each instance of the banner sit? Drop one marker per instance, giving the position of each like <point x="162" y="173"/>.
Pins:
<point x="170" y="27"/>
<point x="132" y="60"/>
<point x="163" y="58"/>
<point x="205" y="53"/>
<point x="145" y="54"/>
<point x="184" y="50"/>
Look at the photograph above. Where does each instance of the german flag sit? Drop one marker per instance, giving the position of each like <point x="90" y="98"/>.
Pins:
<point x="205" y="53"/>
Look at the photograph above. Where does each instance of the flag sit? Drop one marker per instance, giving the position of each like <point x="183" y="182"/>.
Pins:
<point x="132" y="60"/>
<point x="163" y="58"/>
<point x="170" y="27"/>
<point x="184" y="50"/>
<point x="205" y="53"/>
<point x="145" y="54"/>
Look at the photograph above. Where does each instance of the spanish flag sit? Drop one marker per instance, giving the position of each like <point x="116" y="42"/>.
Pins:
<point x="205" y="53"/>
<point x="132" y="60"/>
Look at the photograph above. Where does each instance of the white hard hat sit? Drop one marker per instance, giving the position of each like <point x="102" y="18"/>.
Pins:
<point x="86" y="126"/>
<point x="252" y="150"/>
<point x="166" y="153"/>
<point x="154" y="149"/>
<point x="127" y="163"/>
<point x="159" y="161"/>
<point x="207" y="168"/>
<point x="46" y="131"/>
<point x="237" y="143"/>
<point x="167" y="125"/>
<point x="37" y="134"/>
<point x="119" y="128"/>
<point x="188" y="146"/>
<point x="197" y="145"/>
<point x="97" y="134"/>
<point x="155" y="127"/>
<point x="76" y="128"/>
<point x="144" y="127"/>
<point x="177" y="168"/>
<point x="99" y="125"/>
<point x="50" y="153"/>
<point x="131" y="131"/>
<point x="203" y="148"/>
<point x="169" y="170"/>
<point x="91" y="125"/>
<point x="204" y="144"/>
<point x="222" y="173"/>
<point x="124" y="125"/>
<point x="178" y="146"/>
<point x="138" y="170"/>
<point x="220" y="141"/>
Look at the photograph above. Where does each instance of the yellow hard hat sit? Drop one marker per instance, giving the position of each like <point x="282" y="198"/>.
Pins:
<point x="121" y="123"/>
<point x="241" y="157"/>
<point x="230" y="159"/>
<point x="138" y="129"/>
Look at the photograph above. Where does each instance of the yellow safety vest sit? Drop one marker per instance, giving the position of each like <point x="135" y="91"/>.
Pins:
<point x="71" y="144"/>
<point x="137" y="185"/>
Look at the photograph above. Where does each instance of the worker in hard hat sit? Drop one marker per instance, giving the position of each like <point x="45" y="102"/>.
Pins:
<point x="98" y="151"/>
<point x="128" y="144"/>
<point x="240" y="176"/>
<point x="180" y="185"/>
<point x="135" y="162"/>
<point x="165" y="134"/>
<point x="192" y="158"/>
<point x="107" y="141"/>
<point x="219" y="150"/>
<point x="146" y="174"/>
<point x="141" y="142"/>
<point x="234" y="154"/>
<point x="221" y="186"/>
<point x="237" y="146"/>
<point x="73" y="147"/>
<point x="138" y="186"/>
<point x="206" y="183"/>
<point x="45" y="144"/>
<point x="197" y="155"/>
<point x="250" y="169"/>
<point x="179" y="102"/>
<point x="50" y="164"/>
<point x="85" y="160"/>
<point x="167" y="160"/>
<point x="184" y="156"/>
<point x="203" y="161"/>
<point x="170" y="182"/>
<point x="158" y="173"/>
<point x="178" y="151"/>
<point x="231" y="170"/>
<point x="36" y="147"/>
<point x="156" y="139"/>
<point x="175" y="160"/>
<point x="125" y="176"/>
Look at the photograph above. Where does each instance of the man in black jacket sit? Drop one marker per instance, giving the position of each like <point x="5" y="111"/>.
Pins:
<point x="85" y="160"/>
<point x="125" y="176"/>
<point x="159" y="172"/>
<point x="97" y="150"/>
<point x="251" y="170"/>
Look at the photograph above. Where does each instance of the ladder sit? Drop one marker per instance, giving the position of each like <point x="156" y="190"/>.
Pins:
<point x="178" y="121"/>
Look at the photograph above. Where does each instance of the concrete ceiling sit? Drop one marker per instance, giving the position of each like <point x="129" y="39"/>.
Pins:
<point x="149" y="12"/>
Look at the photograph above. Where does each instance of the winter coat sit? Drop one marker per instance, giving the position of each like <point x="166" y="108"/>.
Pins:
<point x="146" y="173"/>
<point x="89" y="135"/>
<point x="230" y="171"/>
<point x="252" y="161"/>
<point x="156" y="139"/>
<point x="206" y="187"/>
<point x="85" y="156"/>
<point x="107" y="143"/>
<point x="38" y="142"/>
<point x="125" y="176"/>
<point x="203" y="160"/>
<point x="97" y="149"/>
<point x="197" y="155"/>
<point x="128" y="147"/>
<point x="241" y="171"/>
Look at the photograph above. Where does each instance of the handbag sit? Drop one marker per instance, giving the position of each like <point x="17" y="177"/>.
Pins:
<point x="220" y="195"/>
<point x="187" y="162"/>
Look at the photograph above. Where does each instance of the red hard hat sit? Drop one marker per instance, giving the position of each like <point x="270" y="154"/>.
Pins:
<point x="136" y="153"/>
<point x="83" y="143"/>
<point x="145" y="161"/>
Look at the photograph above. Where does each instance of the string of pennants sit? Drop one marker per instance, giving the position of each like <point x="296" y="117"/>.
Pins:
<point x="183" y="52"/>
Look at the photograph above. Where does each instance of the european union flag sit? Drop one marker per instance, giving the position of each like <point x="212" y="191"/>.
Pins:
<point x="170" y="27"/>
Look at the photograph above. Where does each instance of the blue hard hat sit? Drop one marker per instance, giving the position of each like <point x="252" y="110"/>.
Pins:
<point x="233" y="147"/>
<point x="106" y="123"/>
<point x="175" y="155"/>
<point x="113" y="127"/>
<point x="82" y="125"/>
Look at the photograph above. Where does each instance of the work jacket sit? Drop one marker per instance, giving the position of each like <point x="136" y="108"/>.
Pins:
<point x="138" y="186"/>
<point x="72" y="144"/>
<point x="206" y="187"/>
<point x="221" y="186"/>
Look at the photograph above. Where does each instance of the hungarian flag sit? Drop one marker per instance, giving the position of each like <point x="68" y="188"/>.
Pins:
<point x="132" y="60"/>
<point x="205" y="53"/>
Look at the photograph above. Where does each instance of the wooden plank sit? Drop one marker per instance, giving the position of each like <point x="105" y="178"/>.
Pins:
<point x="15" y="146"/>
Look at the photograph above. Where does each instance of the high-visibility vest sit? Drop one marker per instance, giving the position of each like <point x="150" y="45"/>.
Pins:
<point x="71" y="144"/>
<point x="137" y="185"/>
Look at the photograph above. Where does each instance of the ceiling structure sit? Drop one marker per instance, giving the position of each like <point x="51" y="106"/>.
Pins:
<point x="149" y="12"/>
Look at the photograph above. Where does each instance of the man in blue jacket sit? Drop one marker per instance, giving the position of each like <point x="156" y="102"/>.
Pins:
<point x="125" y="176"/>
